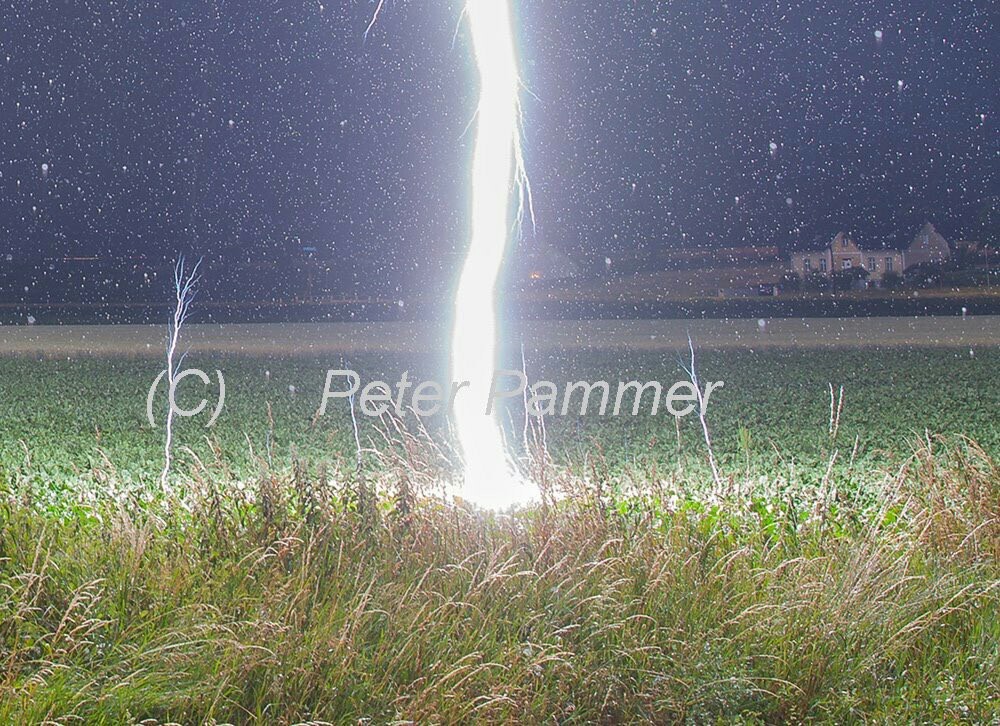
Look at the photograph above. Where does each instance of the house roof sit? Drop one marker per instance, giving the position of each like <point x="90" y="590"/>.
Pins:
<point x="821" y="241"/>
<point x="928" y="238"/>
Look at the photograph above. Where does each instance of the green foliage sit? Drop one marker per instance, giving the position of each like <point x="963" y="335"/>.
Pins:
<point x="835" y="573"/>
<point x="76" y="423"/>
<point x="773" y="415"/>
<point x="816" y="281"/>
<point x="892" y="280"/>
<point x="849" y="279"/>
<point x="287" y="603"/>
<point x="791" y="282"/>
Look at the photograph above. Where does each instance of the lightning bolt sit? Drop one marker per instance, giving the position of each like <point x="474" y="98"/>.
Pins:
<point x="489" y="479"/>
<point x="371" y="23"/>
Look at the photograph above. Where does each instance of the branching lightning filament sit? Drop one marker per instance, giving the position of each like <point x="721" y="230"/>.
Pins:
<point x="497" y="171"/>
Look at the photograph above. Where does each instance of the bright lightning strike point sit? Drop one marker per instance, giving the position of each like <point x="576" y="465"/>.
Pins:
<point x="489" y="478"/>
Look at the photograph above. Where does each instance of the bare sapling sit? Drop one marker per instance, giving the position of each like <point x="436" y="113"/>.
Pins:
<point x="184" y="291"/>
<point x="693" y="375"/>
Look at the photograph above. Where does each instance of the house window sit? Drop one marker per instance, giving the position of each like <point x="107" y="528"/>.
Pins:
<point x="871" y="264"/>
<point x="846" y="264"/>
<point x="888" y="264"/>
<point x="843" y="243"/>
<point x="822" y="265"/>
<point x="807" y="264"/>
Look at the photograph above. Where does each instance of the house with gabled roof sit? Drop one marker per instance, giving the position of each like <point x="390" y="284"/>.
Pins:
<point x="927" y="246"/>
<point x="842" y="252"/>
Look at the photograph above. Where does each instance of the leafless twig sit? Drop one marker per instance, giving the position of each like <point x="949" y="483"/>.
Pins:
<point x="184" y="290"/>
<point x="693" y="375"/>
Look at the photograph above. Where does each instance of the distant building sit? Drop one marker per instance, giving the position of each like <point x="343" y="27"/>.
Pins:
<point x="928" y="246"/>
<point x="843" y="253"/>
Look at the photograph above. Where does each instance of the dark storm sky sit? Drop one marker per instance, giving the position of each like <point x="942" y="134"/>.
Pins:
<point x="253" y="127"/>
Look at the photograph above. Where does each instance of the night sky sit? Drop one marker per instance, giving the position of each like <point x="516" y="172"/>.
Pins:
<point x="253" y="129"/>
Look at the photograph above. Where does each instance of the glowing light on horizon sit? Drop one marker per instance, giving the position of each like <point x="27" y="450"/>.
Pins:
<point x="489" y="479"/>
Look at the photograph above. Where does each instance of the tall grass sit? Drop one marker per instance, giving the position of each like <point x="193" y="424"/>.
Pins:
<point x="321" y="597"/>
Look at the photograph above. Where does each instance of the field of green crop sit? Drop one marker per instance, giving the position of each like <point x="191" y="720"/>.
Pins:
<point x="843" y="567"/>
<point x="63" y="419"/>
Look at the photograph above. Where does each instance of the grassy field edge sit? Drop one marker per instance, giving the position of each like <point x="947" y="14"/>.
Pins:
<point x="315" y="596"/>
